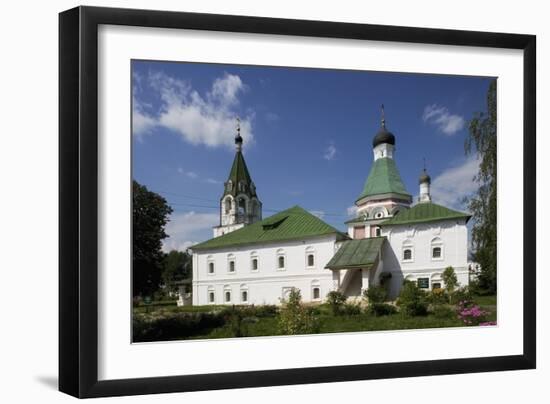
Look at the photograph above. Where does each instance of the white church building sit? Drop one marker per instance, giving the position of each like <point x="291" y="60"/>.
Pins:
<point x="251" y="260"/>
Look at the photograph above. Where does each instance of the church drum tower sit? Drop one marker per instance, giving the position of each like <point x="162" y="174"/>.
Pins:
<point x="239" y="204"/>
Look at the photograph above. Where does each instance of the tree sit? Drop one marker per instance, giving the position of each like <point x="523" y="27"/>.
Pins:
<point x="150" y="215"/>
<point x="451" y="282"/>
<point x="295" y="318"/>
<point x="482" y="140"/>
<point x="176" y="267"/>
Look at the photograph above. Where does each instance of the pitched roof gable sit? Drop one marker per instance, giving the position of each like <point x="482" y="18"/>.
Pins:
<point x="291" y="224"/>
<point x="357" y="253"/>
<point x="425" y="212"/>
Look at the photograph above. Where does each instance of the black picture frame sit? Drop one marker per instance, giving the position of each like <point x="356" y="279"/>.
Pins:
<point x="78" y="201"/>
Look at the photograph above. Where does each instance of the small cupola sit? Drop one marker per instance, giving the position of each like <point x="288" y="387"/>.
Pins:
<point x="238" y="137"/>
<point x="383" y="136"/>
<point x="424" y="181"/>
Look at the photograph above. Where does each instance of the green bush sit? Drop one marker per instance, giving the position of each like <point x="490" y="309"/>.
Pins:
<point x="437" y="296"/>
<point x="295" y="318"/>
<point x="412" y="300"/>
<point x="381" y="309"/>
<point x="375" y="294"/>
<point x="461" y="294"/>
<point x="336" y="301"/>
<point x="443" y="312"/>
<point x="173" y="326"/>
<point x="350" y="309"/>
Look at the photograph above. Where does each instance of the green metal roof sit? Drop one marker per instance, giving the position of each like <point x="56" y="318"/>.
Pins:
<point x="291" y="224"/>
<point x="425" y="212"/>
<point x="239" y="173"/>
<point x="384" y="178"/>
<point x="358" y="253"/>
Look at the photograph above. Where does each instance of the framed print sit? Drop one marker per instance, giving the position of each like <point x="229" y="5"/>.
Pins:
<point x="251" y="201"/>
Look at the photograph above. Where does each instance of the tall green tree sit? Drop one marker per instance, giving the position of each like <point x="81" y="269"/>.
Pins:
<point x="150" y="215"/>
<point x="177" y="267"/>
<point x="482" y="140"/>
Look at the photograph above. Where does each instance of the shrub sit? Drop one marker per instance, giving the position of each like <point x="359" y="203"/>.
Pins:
<point x="173" y="325"/>
<point x="412" y="300"/>
<point x="381" y="309"/>
<point x="443" y="312"/>
<point x="470" y="313"/>
<point x="350" y="309"/>
<point x="462" y="294"/>
<point x="438" y="296"/>
<point x="375" y="294"/>
<point x="336" y="301"/>
<point x="267" y="310"/>
<point x="295" y="318"/>
<point x="449" y="277"/>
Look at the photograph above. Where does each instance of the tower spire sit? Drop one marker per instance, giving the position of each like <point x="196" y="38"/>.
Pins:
<point x="383" y="120"/>
<point x="238" y="138"/>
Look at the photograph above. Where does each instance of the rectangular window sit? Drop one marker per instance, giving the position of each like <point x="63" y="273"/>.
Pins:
<point x="210" y="267"/>
<point x="423" y="283"/>
<point x="436" y="285"/>
<point x="227" y="296"/>
<point x="254" y="264"/>
<point x="316" y="293"/>
<point x="359" y="232"/>
<point x="231" y="266"/>
<point x="281" y="262"/>
<point x="436" y="252"/>
<point x="211" y="297"/>
<point x="310" y="260"/>
<point x="244" y="296"/>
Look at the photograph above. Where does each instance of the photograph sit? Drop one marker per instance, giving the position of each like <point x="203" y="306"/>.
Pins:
<point x="273" y="201"/>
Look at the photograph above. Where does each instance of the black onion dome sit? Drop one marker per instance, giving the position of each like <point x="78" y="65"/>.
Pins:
<point x="238" y="139"/>
<point x="424" y="177"/>
<point x="383" y="136"/>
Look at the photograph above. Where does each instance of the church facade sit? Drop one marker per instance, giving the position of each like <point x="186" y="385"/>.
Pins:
<point x="251" y="260"/>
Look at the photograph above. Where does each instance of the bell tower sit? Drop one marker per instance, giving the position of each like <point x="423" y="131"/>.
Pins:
<point x="239" y="204"/>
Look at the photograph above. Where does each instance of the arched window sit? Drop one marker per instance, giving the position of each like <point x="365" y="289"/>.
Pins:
<point x="227" y="205"/>
<point x="231" y="263"/>
<point x="254" y="263"/>
<point x="315" y="290"/>
<point x="281" y="260"/>
<point x="229" y="185"/>
<point x="211" y="297"/>
<point x="241" y="207"/>
<point x="310" y="257"/>
<point x="210" y="264"/>
<point x="437" y="249"/>
<point x="227" y="294"/>
<point x="408" y="251"/>
<point x="244" y="293"/>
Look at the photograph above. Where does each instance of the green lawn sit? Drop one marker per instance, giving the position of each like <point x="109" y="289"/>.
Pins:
<point x="217" y="325"/>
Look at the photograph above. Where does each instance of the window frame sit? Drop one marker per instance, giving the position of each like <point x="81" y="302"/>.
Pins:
<point x="210" y="291"/>
<point x="310" y="251"/>
<point x="407" y="245"/>
<point x="280" y="254"/>
<point x="254" y="256"/>
<point x="226" y="290"/>
<point x="210" y="261"/>
<point x="231" y="258"/>
<point x="436" y="242"/>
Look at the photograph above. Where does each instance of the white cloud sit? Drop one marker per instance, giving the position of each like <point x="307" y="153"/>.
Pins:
<point x="440" y="116"/>
<point x="186" y="229"/>
<point x="319" y="213"/>
<point x="213" y="181"/>
<point x="352" y="211"/>
<point x="451" y="186"/>
<point x="189" y="174"/>
<point x="330" y="152"/>
<point x="200" y="120"/>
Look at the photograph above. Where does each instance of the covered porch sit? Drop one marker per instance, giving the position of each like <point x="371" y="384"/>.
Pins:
<point x="356" y="265"/>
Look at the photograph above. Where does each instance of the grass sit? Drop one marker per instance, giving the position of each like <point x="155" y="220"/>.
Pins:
<point x="268" y="325"/>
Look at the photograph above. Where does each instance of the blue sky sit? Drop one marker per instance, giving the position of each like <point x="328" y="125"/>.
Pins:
<point x="307" y="132"/>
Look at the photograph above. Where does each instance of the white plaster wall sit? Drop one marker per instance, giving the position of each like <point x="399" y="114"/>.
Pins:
<point x="265" y="286"/>
<point x="454" y="237"/>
